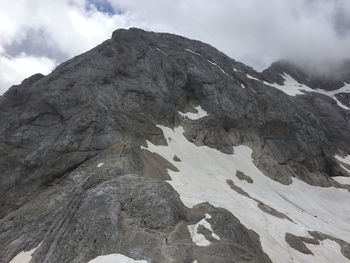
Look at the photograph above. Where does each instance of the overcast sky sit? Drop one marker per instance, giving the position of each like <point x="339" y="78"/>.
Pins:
<point x="37" y="35"/>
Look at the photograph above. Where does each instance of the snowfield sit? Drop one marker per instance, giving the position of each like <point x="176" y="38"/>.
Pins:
<point x="202" y="177"/>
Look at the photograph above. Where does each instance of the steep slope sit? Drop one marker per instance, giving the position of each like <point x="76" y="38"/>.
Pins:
<point x="335" y="83"/>
<point x="333" y="79"/>
<point x="88" y="153"/>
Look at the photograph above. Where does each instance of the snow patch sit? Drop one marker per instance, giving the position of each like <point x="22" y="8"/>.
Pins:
<point x="243" y="86"/>
<point x="251" y="77"/>
<point x="290" y="86"/>
<point x="202" y="177"/>
<point x="162" y="51"/>
<point x="115" y="258"/>
<point x="24" y="256"/>
<point x="216" y="65"/>
<point x="100" y="164"/>
<point x="199" y="239"/>
<point x="293" y="88"/>
<point x="332" y="93"/>
<point x="195" y="116"/>
<point x="191" y="51"/>
<point x="342" y="179"/>
<point x="345" y="160"/>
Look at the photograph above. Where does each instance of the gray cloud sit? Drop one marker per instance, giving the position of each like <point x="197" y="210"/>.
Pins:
<point x="256" y="32"/>
<point x="311" y="33"/>
<point x="35" y="35"/>
<point x="35" y="44"/>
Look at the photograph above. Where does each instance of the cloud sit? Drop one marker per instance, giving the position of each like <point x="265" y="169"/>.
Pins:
<point x="15" y="69"/>
<point x="312" y="33"/>
<point x="33" y="30"/>
<point x="71" y="26"/>
<point x="254" y="31"/>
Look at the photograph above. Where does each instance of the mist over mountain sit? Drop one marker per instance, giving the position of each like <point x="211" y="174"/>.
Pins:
<point x="36" y="36"/>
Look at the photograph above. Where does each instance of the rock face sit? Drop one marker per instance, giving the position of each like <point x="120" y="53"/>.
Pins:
<point x="108" y="212"/>
<point x="333" y="79"/>
<point x="75" y="177"/>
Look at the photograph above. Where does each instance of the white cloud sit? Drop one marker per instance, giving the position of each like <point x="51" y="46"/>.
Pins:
<point x="15" y="69"/>
<point x="66" y="25"/>
<point x="252" y="31"/>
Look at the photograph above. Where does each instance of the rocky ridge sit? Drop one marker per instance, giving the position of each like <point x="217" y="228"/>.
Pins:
<point x="76" y="175"/>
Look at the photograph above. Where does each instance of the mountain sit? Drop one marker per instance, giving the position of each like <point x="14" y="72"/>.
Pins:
<point x="151" y="137"/>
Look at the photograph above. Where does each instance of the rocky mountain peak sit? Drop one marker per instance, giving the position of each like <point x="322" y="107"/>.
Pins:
<point x="151" y="137"/>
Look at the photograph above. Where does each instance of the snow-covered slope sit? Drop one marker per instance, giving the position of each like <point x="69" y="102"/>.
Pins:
<point x="293" y="88"/>
<point x="206" y="175"/>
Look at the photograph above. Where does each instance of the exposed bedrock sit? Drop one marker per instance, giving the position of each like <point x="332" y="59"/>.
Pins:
<point x="126" y="214"/>
<point x="101" y="108"/>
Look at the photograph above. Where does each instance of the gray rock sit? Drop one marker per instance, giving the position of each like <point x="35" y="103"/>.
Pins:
<point x="102" y="106"/>
<point x="332" y="79"/>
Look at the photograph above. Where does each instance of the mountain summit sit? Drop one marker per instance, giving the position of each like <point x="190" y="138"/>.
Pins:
<point x="155" y="148"/>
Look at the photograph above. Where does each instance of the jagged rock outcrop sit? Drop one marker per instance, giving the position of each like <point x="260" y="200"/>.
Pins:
<point x="103" y="106"/>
